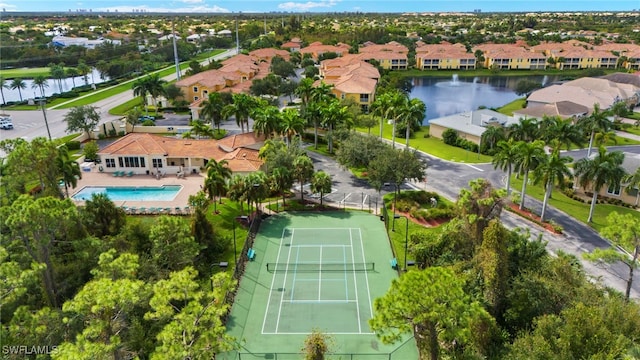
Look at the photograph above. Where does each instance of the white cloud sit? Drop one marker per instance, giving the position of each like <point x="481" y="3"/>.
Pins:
<point x="189" y="9"/>
<point x="192" y="1"/>
<point x="309" y="5"/>
<point x="8" y="7"/>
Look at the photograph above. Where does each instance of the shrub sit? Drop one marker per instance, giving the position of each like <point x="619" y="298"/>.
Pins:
<point x="69" y="95"/>
<point x="450" y="137"/>
<point x="73" y="145"/>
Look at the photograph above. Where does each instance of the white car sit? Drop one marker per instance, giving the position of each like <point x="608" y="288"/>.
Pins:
<point x="6" y="124"/>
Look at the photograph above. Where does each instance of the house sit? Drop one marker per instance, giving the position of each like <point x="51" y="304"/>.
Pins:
<point x="64" y="41"/>
<point x="317" y="48"/>
<point x="145" y="153"/>
<point x="562" y="109"/>
<point x="586" y="92"/>
<point x="444" y="56"/>
<point x="293" y="45"/>
<point x="390" y="56"/>
<point x="351" y="78"/>
<point x="469" y="125"/>
<point x="267" y="54"/>
<point x="630" y="196"/>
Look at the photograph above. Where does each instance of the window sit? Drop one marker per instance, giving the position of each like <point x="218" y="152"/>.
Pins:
<point x="157" y="163"/>
<point x="205" y="93"/>
<point x="195" y="89"/>
<point x="111" y="163"/>
<point x="614" y="190"/>
<point x="364" y="98"/>
<point x="195" y="98"/>
<point x="131" y="161"/>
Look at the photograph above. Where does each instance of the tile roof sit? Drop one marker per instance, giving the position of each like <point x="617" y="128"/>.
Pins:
<point x="563" y="109"/>
<point x="231" y="147"/>
<point x="209" y="78"/>
<point x="473" y="122"/>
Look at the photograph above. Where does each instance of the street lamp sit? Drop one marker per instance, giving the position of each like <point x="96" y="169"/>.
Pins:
<point x="235" y="249"/>
<point x="406" y="238"/>
<point x="44" y="113"/>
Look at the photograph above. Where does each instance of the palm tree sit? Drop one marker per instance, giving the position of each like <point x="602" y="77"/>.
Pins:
<point x="19" y="84"/>
<point x="632" y="181"/>
<point x="412" y="113"/>
<point x="3" y="85"/>
<point x="199" y="129"/>
<point x="552" y="170"/>
<point x="321" y="183"/>
<point x="281" y="180"/>
<point x="240" y="108"/>
<point x="596" y="122"/>
<point x="291" y="123"/>
<point x="216" y="182"/>
<point x="529" y="155"/>
<point x="84" y="70"/>
<point x="68" y="168"/>
<point x="379" y="106"/>
<point x="334" y="114"/>
<point x="212" y="110"/>
<point x="302" y="171"/>
<point x="561" y="133"/>
<point x="57" y="72"/>
<point x="525" y="130"/>
<point x="155" y="87"/>
<point x="313" y="115"/>
<point x="140" y="88"/>
<point x="505" y="158"/>
<point x="305" y="91"/>
<point x="602" y="138"/>
<point x="72" y="73"/>
<point x="40" y="82"/>
<point x="604" y="168"/>
<point x="491" y="136"/>
<point x="266" y="120"/>
<point x="237" y="189"/>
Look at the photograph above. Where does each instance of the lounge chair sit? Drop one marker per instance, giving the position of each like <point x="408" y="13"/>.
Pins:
<point x="130" y="174"/>
<point x="116" y="173"/>
<point x="143" y="210"/>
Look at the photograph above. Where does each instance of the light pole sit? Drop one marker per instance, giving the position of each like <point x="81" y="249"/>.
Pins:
<point x="406" y="238"/>
<point x="235" y="249"/>
<point x="395" y="201"/>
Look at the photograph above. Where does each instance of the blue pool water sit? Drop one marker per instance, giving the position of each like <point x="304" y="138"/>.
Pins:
<point x="130" y="193"/>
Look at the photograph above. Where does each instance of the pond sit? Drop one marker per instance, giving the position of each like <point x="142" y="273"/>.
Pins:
<point x="448" y="96"/>
<point x="29" y="92"/>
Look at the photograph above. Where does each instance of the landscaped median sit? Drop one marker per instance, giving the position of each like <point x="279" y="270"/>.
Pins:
<point x="423" y="142"/>
<point x="574" y="208"/>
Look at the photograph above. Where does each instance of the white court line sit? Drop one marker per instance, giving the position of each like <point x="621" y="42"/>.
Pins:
<point x="346" y="285"/>
<point x="314" y="280"/>
<point x="284" y="282"/>
<point x="366" y="275"/>
<point x="355" y="283"/>
<point x="319" y="245"/>
<point x="303" y="301"/>
<point x="273" y="280"/>
<point x="320" y="276"/>
<point x="295" y="273"/>
<point x="473" y="167"/>
<point x="364" y="200"/>
<point x="340" y="228"/>
<point x="328" y="333"/>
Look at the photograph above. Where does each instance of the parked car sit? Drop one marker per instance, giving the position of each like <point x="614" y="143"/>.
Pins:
<point x="146" y="117"/>
<point x="6" y="124"/>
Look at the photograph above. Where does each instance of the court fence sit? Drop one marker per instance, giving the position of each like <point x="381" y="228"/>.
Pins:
<point x="406" y="351"/>
<point x="239" y="267"/>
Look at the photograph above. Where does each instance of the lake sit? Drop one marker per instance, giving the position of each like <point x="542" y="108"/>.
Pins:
<point x="452" y="95"/>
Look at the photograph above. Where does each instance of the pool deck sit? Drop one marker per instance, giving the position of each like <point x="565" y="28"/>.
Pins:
<point x="191" y="184"/>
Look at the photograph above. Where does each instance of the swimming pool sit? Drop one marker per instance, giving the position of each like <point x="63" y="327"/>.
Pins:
<point x="130" y="193"/>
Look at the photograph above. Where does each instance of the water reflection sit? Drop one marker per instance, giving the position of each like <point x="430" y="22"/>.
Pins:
<point x="54" y="87"/>
<point x="448" y="96"/>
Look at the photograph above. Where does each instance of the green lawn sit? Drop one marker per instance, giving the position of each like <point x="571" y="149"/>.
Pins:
<point x="576" y="209"/>
<point x="509" y="108"/>
<point x="633" y="130"/>
<point x="25" y="73"/>
<point x="431" y="145"/>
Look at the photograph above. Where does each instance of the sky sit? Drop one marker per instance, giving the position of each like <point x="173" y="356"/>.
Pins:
<point x="261" y="6"/>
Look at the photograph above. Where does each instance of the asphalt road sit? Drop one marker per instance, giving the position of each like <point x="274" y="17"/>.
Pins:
<point x="448" y="178"/>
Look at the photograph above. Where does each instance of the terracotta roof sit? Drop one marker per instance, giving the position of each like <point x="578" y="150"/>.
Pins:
<point x="209" y="78"/>
<point x="353" y="84"/>
<point x="147" y="144"/>
<point x="269" y="53"/>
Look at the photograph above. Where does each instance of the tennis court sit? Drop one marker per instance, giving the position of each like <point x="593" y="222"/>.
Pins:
<point x="313" y="271"/>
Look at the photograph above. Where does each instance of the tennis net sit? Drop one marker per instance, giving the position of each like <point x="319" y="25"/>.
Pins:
<point x="320" y="267"/>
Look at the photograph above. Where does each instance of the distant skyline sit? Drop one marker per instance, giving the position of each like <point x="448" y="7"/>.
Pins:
<point x="261" y="6"/>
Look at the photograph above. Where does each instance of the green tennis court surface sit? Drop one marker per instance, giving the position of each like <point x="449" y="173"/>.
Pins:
<point x="314" y="271"/>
